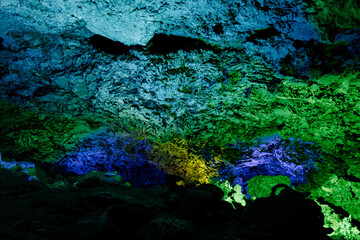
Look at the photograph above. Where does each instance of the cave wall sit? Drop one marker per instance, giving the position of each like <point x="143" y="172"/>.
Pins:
<point x="211" y="71"/>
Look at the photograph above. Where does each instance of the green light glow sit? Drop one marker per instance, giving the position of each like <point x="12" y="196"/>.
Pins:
<point x="231" y="193"/>
<point x="261" y="186"/>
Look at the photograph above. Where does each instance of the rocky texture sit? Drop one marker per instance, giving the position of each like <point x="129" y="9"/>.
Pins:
<point x="232" y="194"/>
<point x="154" y="92"/>
<point x="128" y="157"/>
<point x="338" y="198"/>
<point x="341" y="193"/>
<point x="57" y="65"/>
<point x="344" y="226"/>
<point x="162" y="96"/>
<point x="333" y="17"/>
<point x="291" y="158"/>
<point x="38" y="137"/>
<point x="57" y="58"/>
<point x="136" y="22"/>
<point x="260" y="27"/>
<point x="313" y="59"/>
<point x="33" y="211"/>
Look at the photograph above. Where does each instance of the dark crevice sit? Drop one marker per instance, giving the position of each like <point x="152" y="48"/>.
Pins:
<point x="272" y="85"/>
<point x="1" y="43"/>
<point x="351" y="178"/>
<point x="263" y="7"/>
<point x="248" y="91"/>
<point x="164" y="44"/>
<point x="218" y="28"/>
<point x="108" y="46"/>
<point x="338" y="210"/>
<point x="265" y="33"/>
<point x="322" y="57"/>
<point x="160" y="44"/>
<point x="44" y="90"/>
<point x="332" y="32"/>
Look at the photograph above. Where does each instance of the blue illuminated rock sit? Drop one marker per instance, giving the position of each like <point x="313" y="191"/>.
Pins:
<point x="129" y="157"/>
<point x="227" y="23"/>
<point x="292" y="158"/>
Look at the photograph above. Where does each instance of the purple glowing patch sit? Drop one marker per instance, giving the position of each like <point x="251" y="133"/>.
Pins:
<point x="107" y="153"/>
<point x="292" y="158"/>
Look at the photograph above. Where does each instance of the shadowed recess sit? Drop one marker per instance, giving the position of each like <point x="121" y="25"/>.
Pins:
<point x="107" y="45"/>
<point x="164" y="44"/>
<point x="1" y="43"/>
<point x="265" y="33"/>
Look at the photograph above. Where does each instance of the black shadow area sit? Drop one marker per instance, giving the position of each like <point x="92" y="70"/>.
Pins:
<point x="164" y="44"/>
<point x="108" y="46"/>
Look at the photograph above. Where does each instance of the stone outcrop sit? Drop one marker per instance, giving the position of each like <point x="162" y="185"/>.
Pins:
<point x="136" y="22"/>
<point x="50" y="55"/>
<point x="222" y="23"/>
<point x="209" y="70"/>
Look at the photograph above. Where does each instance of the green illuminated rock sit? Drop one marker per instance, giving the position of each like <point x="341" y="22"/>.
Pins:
<point x="261" y="186"/>
<point x="27" y="135"/>
<point x="341" y="193"/>
<point x="342" y="225"/>
<point x="334" y="16"/>
<point x="232" y="193"/>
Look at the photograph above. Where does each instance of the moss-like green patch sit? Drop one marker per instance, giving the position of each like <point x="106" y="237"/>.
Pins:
<point x="261" y="186"/>
<point x="30" y="136"/>
<point x="324" y="111"/>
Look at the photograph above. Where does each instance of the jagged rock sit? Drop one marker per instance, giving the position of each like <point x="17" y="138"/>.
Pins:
<point x="170" y="68"/>
<point x="136" y="22"/>
<point x="128" y="157"/>
<point x="14" y="164"/>
<point x="271" y="156"/>
<point x="56" y="59"/>
<point x="323" y="57"/>
<point x="340" y="192"/>
<point x="333" y="17"/>
<point x="223" y="23"/>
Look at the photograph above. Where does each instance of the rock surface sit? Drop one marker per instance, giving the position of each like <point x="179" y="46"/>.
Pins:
<point x="211" y="71"/>
<point x="52" y="61"/>
<point x="136" y="22"/>
<point x="34" y="211"/>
